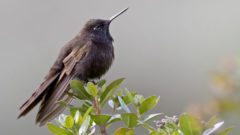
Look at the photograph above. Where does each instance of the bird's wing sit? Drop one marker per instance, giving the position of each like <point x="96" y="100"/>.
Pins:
<point x="48" y="83"/>
<point x="74" y="57"/>
<point x="50" y="107"/>
<point x="37" y="95"/>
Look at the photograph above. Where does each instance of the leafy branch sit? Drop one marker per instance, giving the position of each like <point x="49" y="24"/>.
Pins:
<point x="127" y="107"/>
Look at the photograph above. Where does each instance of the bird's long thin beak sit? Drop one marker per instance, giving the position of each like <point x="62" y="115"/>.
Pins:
<point x="116" y="15"/>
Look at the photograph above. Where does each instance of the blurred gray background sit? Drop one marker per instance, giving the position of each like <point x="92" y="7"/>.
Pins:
<point x="163" y="47"/>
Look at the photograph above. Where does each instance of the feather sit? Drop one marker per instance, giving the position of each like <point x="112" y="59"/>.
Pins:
<point x="50" y="107"/>
<point x="56" y="84"/>
<point x="56" y="111"/>
<point x="50" y="104"/>
<point x="36" y="96"/>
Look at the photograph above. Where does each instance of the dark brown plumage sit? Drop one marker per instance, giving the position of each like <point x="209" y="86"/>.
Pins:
<point x="87" y="56"/>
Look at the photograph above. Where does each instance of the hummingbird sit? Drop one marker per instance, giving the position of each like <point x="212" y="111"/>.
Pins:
<point x="87" y="56"/>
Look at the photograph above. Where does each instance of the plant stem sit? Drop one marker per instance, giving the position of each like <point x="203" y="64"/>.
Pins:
<point x="97" y="109"/>
<point x="96" y="106"/>
<point x="103" y="130"/>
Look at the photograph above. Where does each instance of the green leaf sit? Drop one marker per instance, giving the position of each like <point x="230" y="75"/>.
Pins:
<point x="129" y="98"/>
<point x="176" y="133"/>
<point x="189" y="125"/>
<point x="157" y="133"/>
<point x="101" y="83"/>
<point x="57" y="130"/>
<point x="211" y="122"/>
<point x="120" y="93"/>
<point x="73" y="111"/>
<point x="78" y="88"/>
<point x="78" y="118"/>
<point x="92" y="89"/>
<point x="123" y="105"/>
<point x="100" y="119"/>
<point x="213" y="128"/>
<point x="107" y="93"/>
<point x="103" y="88"/>
<point x="84" y="127"/>
<point x="69" y="121"/>
<point x="151" y="116"/>
<point x="154" y="133"/>
<point x="146" y="126"/>
<point x="148" y="104"/>
<point x="225" y="132"/>
<point x="130" y="119"/>
<point x="114" y="118"/>
<point x="85" y="106"/>
<point x="87" y="113"/>
<point x="124" y="131"/>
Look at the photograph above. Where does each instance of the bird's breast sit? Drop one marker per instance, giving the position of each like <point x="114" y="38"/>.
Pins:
<point x="97" y="62"/>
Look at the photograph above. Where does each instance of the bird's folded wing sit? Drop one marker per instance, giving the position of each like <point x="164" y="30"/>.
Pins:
<point x="74" y="57"/>
<point x="50" y="80"/>
<point x="50" y="107"/>
<point x="36" y="96"/>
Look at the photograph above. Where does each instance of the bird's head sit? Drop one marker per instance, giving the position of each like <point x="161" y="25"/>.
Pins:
<point x="98" y="29"/>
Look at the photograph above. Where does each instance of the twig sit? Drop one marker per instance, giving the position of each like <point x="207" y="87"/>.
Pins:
<point x="98" y="112"/>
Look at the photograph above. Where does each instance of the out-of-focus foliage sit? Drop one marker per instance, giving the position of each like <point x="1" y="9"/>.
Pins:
<point x="225" y="84"/>
<point x="127" y="107"/>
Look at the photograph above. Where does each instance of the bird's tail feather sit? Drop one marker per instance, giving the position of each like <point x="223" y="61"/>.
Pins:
<point x="38" y="95"/>
<point x="50" y="107"/>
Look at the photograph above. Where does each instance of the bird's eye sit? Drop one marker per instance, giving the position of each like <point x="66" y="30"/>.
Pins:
<point x="98" y="27"/>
